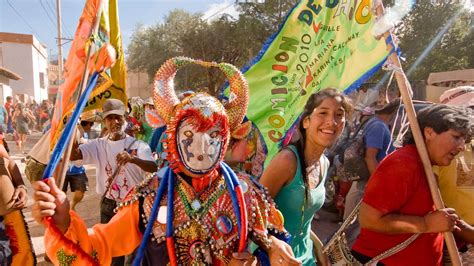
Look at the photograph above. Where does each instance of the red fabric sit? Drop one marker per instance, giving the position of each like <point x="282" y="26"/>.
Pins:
<point x="43" y="114"/>
<point x="344" y="187"/>
<point x="201" y="183"/>
<point x="399" y="186"/>
<point x="8" y="106"/>
<point x="134" y="121"/>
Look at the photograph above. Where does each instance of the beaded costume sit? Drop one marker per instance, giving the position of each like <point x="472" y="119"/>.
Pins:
<point x="201" y="210"/>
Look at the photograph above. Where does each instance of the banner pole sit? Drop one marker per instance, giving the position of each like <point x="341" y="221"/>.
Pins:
<point x="405" y="89"/>
<point x="63" y="165"/>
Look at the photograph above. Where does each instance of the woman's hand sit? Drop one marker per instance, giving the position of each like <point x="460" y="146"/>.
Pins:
<point x="321" y="258"/>
<point x="280" y="253"/>
<point x="243" y="258"/>
<point x="443" y="220"/>
<point x="19" y="197"/>
<point x="50" y="201"/>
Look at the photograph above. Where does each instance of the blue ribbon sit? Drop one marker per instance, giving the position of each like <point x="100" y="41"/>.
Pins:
<point x="67" y="133"/>
<point x="151" y="219"/>
<point x="231" y="181"/>
<point x="170" y="213"/>
<point x="395" y="48"/>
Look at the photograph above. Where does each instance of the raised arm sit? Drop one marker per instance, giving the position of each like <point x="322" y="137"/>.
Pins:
<point x="117" y="238"/>
<point x="76" y="153"/>
<point x="145" y="165"/>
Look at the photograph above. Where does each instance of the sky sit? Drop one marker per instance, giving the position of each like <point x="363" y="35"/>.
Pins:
<point x="38" y="17"/>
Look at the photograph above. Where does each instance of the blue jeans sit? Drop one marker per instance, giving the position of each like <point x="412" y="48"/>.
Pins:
<point x="10" y="126"/>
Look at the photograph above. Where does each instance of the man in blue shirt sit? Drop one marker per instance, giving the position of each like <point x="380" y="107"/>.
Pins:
<point x="377" y="139"/>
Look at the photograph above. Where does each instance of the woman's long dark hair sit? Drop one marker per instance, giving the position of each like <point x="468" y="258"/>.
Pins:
<point x="314" y="101"/>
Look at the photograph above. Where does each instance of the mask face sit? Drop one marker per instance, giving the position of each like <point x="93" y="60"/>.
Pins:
<point x="199" y="151"/>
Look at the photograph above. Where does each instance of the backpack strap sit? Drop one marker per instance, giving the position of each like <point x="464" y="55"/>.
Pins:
<point x="366" y="123"/>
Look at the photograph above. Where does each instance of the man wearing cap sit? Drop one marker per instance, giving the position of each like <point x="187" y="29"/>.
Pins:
<point x="456" y="181"/>
<point x="121" y="161"/>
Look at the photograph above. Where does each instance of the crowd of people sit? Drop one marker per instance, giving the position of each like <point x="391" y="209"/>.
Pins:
<point x="190" y="188"/>
<point x="20" y="118"/>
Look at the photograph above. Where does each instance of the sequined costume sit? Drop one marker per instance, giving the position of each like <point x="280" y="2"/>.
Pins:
<point x="201" y="210"/>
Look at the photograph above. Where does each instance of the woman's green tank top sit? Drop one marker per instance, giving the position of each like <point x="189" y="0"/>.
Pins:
<point x="298" y="216"/>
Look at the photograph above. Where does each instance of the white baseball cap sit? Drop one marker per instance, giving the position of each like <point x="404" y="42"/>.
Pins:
<point x="460" y="96"/>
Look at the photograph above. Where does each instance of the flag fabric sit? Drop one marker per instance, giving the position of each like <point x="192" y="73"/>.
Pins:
<point x="113" y="84"/>
<point x="108" y="34"/>
<point x="321" y="44"/>
<point x="118" y="71"/>
<point x="74" y="67"/>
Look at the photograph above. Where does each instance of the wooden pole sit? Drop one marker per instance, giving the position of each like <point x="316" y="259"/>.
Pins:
<point x="405" y="89"/>
<point x="60" y="173"/>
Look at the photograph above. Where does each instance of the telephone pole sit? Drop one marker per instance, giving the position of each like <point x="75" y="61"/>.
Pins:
<point x="60" y="45"/>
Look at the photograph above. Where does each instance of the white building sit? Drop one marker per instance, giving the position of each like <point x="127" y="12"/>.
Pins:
<point x="24" y="55"/>
<point x="5" y="77"/>
<point x="439" y="82"/>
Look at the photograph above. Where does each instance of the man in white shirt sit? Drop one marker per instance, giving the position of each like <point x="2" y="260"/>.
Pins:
<point x="116" y="154"/>
<point x="121" y="161"/>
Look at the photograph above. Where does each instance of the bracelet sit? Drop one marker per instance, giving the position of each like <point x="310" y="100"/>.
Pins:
<point x="267" y="242"/>
<point x="22" y="186"/>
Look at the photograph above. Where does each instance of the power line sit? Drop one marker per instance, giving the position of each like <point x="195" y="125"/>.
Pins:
<point x="219" y="11"/>
<point x="47" y="13"/>
<point x="22" y="18"/>
<point x="52" y="8"/>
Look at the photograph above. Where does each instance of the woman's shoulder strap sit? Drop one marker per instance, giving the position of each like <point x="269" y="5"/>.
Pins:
<point x="293" y="149"/>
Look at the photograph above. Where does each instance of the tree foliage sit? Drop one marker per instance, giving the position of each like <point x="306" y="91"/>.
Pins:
<point x="238" y="40"/>
<point x="223" y="39"/>
<point x="452" y="51"/>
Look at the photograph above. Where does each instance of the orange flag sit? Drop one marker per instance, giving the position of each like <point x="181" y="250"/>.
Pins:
<point x="68" y="92"/>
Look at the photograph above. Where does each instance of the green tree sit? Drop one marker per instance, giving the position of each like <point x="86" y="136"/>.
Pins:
<point x="258" y="21"/>
<point x="151" y="46"/>
<point x="454" y="49"/>
<point x="223" y="39"/>
<point x="185" y="34"/>
<point x="213" y="41"/>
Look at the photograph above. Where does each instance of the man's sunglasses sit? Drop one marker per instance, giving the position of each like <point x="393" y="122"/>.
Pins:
<point x="86" y="123"/>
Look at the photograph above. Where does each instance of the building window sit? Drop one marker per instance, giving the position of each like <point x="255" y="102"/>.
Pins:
<point x="42" y="80"/>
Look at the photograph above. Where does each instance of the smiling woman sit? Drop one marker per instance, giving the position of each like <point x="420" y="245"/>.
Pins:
<point x="295" y="177"/>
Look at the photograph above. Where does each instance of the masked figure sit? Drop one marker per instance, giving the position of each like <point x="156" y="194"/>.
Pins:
<point x="201" y="212"/>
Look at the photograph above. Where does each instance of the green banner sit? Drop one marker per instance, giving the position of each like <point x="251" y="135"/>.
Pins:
<point x="321" y="44"/>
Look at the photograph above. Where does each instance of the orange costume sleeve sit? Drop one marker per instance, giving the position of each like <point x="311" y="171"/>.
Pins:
<point x="117" y="238"/>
